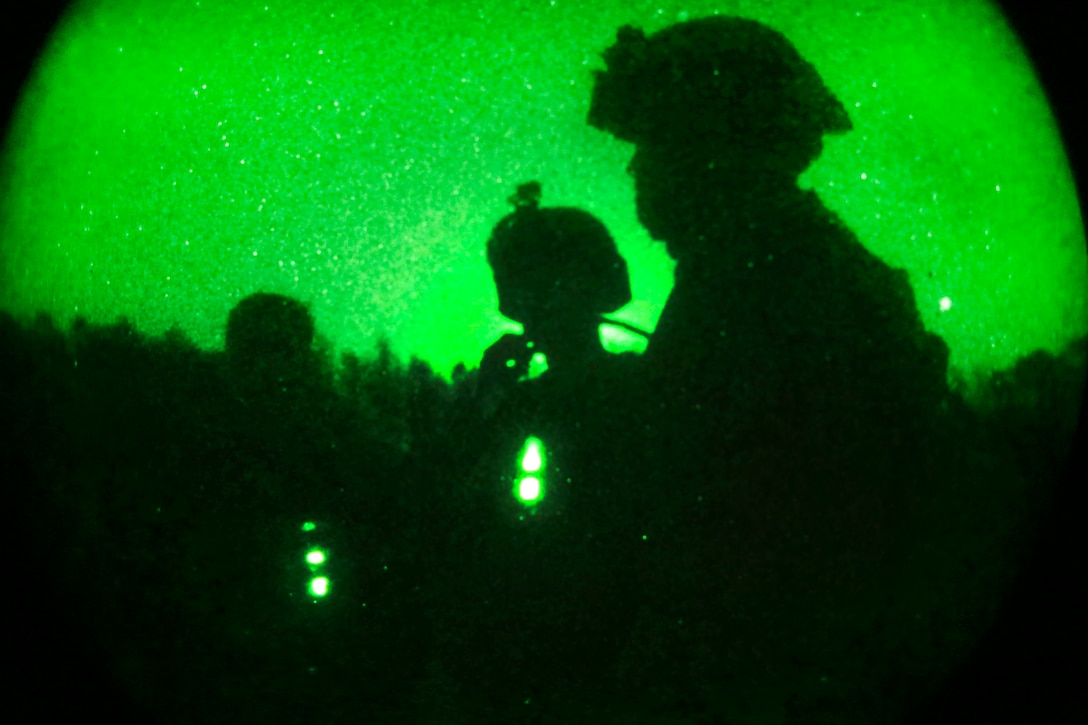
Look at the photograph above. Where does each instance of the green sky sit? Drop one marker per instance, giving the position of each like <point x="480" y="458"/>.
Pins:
<point x="170" y="157"/>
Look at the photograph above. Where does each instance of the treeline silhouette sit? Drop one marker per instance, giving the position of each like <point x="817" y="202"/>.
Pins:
<point x="164" y="489"/>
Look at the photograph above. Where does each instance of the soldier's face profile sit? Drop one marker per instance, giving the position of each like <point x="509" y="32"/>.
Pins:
<point x="650" y="174"/>
<point x="667" y="175"/>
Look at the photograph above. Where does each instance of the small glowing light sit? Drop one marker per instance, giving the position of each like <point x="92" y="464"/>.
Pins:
<point x="532" y="460"/>
<point x="316" y="557"/>
<point x="946" y="304"/>
<point x="319" y="586"/>
<point x="511" y="363"/>
<point x="309" y="525"/>
<point x="529" y="488"/>
<point x="538" y="365"/>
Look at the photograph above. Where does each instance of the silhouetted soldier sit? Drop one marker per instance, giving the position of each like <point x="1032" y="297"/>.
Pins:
<point x="557" y="272"/>
<point x="290" y="650"/>
<point x="281" y="386"/>
<point x="549" y="605"/>
<point x="725" y="115"/>
<point x="269" y="345"/>
<point x="274" y="378"/>
<point x="793" y="375"/>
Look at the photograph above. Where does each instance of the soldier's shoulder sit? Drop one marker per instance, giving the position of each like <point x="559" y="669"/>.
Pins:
<point x="856" y="259"/>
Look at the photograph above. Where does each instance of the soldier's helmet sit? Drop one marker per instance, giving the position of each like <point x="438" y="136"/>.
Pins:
<point x="554" y="261"/>
<point x="269" y="326"/>
<point x="713" y="77"/>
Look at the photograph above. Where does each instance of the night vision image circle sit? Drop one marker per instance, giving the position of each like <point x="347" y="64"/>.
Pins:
<point x="554" y="362"/>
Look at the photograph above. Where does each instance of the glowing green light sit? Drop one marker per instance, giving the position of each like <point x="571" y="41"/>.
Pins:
<point x="533" y="458"/>
<point x="309" y="526"/>
<point x="319" y="586"/>
<point x="946" y="304"/>
<point x="616" y="339"/>
<point x="511" y="363"/>
<point x="538" y="365"/>
<point x="316" y="557"/>
<point x="529" y="489"/>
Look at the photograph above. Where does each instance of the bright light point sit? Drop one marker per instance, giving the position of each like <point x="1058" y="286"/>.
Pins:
<point x="316" y="557"/>
<point x="309" y="525"/>
<point x="532" y="460"/>
<point x="529" y="489"/>
<point x="319" y="586"/>
<point x="538" y="365"/>
<point x="946" y="304"/>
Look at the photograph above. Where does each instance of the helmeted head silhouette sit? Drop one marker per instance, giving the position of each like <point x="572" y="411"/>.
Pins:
<point x="269" y="324"/>
<point x="725" y="115"/>
<point x="716" y="80"/>
<point x="555" y="262"/>
<point x="269" y="339"/>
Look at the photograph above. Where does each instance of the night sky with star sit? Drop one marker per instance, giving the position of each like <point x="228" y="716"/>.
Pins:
<point x="170" y="157"/>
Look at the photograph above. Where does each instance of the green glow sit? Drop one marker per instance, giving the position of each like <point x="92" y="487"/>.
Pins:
<point x="319" y="586"/>
<point x="530" y="489"/>
<point x="309" y="526"/>
<point x="538" y="365"/>
<point x="315" y="557"/>
<point x="357" y="155"/>
<point x="616" y="339"/>
<point x="533" y="458"/>
<point x="946" y="304"/>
